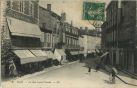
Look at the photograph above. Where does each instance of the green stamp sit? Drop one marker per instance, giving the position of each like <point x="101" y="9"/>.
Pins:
<point x="93" y="11"/>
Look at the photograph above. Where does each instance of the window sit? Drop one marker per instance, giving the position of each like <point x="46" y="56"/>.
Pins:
<point x="114" y="35"/>
<point x="76" y="42"/>
<point x="73" y="31"/>
<point x="136" y="13"/>
<point x="26" y="7"/>
<point x="66" y="28"/>
<point x="48" y="37"/>
<point x="15" y="5"/>
<point x="71" y="41"/>
<point x="25" y="41"/>
<point x="31" y="9"/>
<point x="45" y="39"/>
<point x="68" y="40"/>
<point x="21" y="6"/>
<point x="65" y="39"/>
<point x="69" y="28"/>
<point x="9" y="4"/>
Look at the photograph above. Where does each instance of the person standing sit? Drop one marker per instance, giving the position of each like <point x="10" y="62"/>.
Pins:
<point x="61" y="60"/>
<point x="113" y="75"/>
<point x="7" y="68"/>
<point x="97" y="68"/>
<point x="89" y="70"/>
<point x="12" y="69"/>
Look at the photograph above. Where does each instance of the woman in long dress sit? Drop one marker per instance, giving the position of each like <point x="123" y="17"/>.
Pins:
<point x="12" y="69"/>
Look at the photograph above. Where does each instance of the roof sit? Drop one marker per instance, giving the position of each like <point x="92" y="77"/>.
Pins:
<point x="51" y="12"/>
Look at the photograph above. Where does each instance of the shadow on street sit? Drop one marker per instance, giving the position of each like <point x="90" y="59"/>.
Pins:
<point x="93" y="63"/>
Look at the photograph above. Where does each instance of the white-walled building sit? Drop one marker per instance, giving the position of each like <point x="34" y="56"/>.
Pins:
<point x="90" y="43"/>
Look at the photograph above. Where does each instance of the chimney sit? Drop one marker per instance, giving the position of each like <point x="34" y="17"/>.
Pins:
<point x="81" y="28"/>
<point x="49" y="7"/>
<point x="71" y="23"/>
<point x="86" y="28"/>
<point x="63" y="16"/>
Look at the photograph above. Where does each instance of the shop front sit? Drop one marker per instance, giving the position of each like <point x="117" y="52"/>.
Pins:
<point x="81" y="55"/>
<point x="60" y="55"/>
<point x="41" y="55"/>
<point x="74" y="55"/>
<point x="29" y="62"/>
<point x="91" y="53"/>
<point x="26" y="45"/>
<point x="51" y="57"/>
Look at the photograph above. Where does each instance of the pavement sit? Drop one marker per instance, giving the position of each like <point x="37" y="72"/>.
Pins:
<point x="72" y="75"/>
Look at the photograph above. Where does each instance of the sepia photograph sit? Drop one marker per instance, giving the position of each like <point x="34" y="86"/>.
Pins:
<point x="68" y="43"/>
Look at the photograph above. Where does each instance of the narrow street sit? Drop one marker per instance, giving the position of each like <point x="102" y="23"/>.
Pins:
<point x="74" y="75"/>
<point x="42" y="42"/>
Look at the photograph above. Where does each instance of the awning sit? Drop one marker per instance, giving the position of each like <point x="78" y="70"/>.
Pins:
<point x="104" y="54"/>
<point x="38" y="52"/>
<point x="89" y="51"/>
<point x="22" y="28"/>
<point x="81" y="52"/>
<point x="60" y="54"/>
<point x="27" y="57"/>
<point x="74" y="52"/>
<point x="23" y="53"/>
<point x="50" y="55"/>
<point x="60" y="51"/>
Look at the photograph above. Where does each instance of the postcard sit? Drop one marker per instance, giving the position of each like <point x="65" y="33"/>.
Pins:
<point x="68" y="43"/>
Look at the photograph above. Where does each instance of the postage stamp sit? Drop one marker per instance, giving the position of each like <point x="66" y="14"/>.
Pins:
<point x="93" y="11"/>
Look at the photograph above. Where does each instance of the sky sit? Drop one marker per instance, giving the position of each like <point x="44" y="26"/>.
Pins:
<point x="73" y="10"/>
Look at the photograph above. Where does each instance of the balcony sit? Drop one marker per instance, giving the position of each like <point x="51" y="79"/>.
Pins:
<point x="45" y="28"/>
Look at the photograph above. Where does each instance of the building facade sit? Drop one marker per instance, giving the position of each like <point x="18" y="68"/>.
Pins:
<point x="59" y="36"/>
<point x="23" y="32"/>
<point x="89" y="40"/>
<point x="119" y="34"/>
<point x="49" y="23"/>
<point x="70" y="39"/>
<point x="18" y="13"/>
<point x="70" y="36"/>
